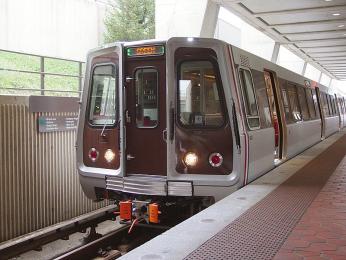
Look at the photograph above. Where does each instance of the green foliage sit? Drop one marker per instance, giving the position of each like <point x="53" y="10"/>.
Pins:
<point x="129" y="20"/>
<point x="22" y="80"/>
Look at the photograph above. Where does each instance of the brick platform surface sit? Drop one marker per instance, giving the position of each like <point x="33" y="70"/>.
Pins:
<point x="321" y="232"/>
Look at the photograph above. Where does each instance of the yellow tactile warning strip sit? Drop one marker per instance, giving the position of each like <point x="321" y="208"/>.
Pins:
<point x="261" y="231"/>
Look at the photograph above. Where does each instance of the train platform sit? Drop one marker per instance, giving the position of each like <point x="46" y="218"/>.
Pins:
<point x="296" y="211"/>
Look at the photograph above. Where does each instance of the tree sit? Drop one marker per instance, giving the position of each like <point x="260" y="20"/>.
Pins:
<point x="128" y="20"/>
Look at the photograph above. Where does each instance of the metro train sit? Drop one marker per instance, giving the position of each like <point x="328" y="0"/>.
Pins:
<point x="192" y="118"/>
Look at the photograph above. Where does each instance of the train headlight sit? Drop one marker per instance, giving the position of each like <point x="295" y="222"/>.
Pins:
<point x="109" y="155"/>
<point x="93" y="154"/>
<point x="191" y="159"/>
<point x="215" y="159"/>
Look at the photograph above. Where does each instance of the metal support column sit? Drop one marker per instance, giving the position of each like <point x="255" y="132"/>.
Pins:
<point x="80" y="73"/>
<point x="42" y="74"/>
<point x="330" y="83"/>
<point x="304" y="68"/>
<point x="210" y="19"/>
<point x="320" y="77"/>
<point x="275" y="53"/>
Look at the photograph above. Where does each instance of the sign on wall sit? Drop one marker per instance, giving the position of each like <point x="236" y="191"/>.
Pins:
<point x="56" y="123"/>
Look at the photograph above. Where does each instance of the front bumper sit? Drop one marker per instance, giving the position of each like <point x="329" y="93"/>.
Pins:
<point x="149" y="185"/>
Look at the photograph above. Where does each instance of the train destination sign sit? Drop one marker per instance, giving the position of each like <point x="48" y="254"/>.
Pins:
<point x="154" y="50"/>
<point x="56" y="123"/>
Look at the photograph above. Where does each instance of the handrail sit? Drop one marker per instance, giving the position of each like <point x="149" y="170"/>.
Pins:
<point x="37" y="55"/>
<point x="46" y="90"/>
<point x="44" y="73"/>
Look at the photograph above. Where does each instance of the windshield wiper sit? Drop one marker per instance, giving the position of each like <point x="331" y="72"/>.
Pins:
<point x="106" y="104"/>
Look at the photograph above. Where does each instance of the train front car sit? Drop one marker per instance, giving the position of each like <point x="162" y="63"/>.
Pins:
<point x="156" y="125"/>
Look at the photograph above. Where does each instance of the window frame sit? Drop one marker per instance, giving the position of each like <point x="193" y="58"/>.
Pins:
<point x="219" y="84"/>
<point x="330" y="105"/>
<point x="301" y="91"/>
<point x="243" y="98"/>
<point x="310" y="103"/>
<point x="288" y="114"/>
<point x="91" y="82"/>
<point x="288" y="89"/>
<point x="157" y="95"/>
<point x="325" y="106"/>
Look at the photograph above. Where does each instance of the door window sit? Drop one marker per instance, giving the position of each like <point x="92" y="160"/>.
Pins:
<point x="250" y="101"/>
<point x="293" y="99"/>
<point x="310" y="100"/>
<point x="325" y="104"/>
<point x="103" y="96"/>
<point x="146" y="97"/>
<point x="303" y="103"/>
<point x="199" y="95"/>
<point x="288" y="116"/>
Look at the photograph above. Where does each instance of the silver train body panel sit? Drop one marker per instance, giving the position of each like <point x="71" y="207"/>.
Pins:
<point x="254" y="157"/>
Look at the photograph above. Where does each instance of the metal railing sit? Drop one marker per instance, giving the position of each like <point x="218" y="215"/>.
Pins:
<point x="44" y="73"/>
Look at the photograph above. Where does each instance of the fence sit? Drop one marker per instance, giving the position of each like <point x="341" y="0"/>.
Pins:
<point x="41" y="69"/>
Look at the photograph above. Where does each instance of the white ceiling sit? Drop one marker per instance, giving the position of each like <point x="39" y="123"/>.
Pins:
<point x="313" y="29"/>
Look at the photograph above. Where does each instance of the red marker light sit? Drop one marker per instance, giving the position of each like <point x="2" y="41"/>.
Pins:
<point x="93" y="154"/>
<point x="215" y="159"/>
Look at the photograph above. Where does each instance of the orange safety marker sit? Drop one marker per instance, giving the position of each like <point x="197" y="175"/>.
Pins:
<point x="154" y="213"/>
<point x="125" y="210"/>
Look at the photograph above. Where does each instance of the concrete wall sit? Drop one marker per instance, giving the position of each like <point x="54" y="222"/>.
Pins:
<point x="59" y="28"/>
<point x="185" y="18"/>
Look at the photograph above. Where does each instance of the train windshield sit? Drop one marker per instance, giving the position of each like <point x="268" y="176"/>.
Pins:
<point x="199" y="95"/>
<point x="103" y="96"/>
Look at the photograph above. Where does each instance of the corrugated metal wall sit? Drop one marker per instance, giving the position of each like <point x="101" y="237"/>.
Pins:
<point x="38" y="179"/>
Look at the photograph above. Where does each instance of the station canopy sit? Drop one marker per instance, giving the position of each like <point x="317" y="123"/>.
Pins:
<point x="313" y="29"/>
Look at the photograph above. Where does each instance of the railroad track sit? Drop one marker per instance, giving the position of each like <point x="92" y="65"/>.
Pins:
<point x="36" y="239"/>
<point x="109" y="246"/>
<point x="117" y="239"/>
<point x="114" y="244"/>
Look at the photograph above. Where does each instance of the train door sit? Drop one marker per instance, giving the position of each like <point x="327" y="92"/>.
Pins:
<point x="338" y="109"/>
<point x="276" y="115"/>
<point x="145" y="115"/>
<point x="321" y="110"/>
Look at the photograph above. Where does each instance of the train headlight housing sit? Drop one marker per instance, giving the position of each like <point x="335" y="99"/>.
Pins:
<point x="109" y="155"/>
<point x="215" y="159"/>
<point x="93" y="154"/>
<point x="191" y="159"/>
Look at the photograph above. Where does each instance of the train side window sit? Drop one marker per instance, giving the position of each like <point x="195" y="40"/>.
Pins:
<point x="250" y="102"/>
<point x="200" y="95"/>
<point x="102" y="110"/>
<point x="146" y="97"/>
<point x="331" y="112"/>
<point x="310" y="100"/>
<point x="303" y="103"/>
<point x="314" y="97"/>
<point x="325" y="104"/>
<point x="286" y="105"/>
<point x="330" y="106"/>
<point x="262" y="99"/>
<point x="334" y="105"/>
<point x="293" y="97"/>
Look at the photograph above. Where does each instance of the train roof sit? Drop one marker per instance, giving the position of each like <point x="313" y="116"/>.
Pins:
<point x="240" y="56"/>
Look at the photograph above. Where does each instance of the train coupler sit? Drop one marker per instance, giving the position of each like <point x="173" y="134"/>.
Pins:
<point x="140" y="211"/>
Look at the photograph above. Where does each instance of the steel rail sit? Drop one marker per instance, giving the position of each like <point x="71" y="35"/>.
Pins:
<point x="88" y="250"/>
<point x="38" y="238"/>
